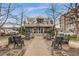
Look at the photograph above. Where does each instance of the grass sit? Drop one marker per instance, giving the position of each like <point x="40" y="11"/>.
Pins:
<point x="3" y="37"/>
<point x="74" y="37"/>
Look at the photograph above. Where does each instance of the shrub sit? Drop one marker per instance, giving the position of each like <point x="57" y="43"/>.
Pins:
<point x="51" y="31"/>
<point x="23" y="31"/>
<point x="74" y="37"/>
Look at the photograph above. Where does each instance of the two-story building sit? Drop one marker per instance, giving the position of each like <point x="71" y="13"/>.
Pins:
<point x="38" y="25"/>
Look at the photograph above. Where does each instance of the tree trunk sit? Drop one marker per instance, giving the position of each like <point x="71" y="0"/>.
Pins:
<point x="7" y="15"/>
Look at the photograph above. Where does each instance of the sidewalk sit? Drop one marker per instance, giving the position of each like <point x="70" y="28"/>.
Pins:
<point x="38" y="47"/>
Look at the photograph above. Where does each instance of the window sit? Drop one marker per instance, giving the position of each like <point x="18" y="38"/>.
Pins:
<point x="40" y="20"/>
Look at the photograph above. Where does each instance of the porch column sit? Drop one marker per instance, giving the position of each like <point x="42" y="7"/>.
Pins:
<point x="43" y="30"/>
<point x="38" y="30"/>
<point x="32" y="30"/>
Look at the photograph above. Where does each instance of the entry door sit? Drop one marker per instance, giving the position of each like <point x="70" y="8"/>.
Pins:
<point x="41" y="30"/>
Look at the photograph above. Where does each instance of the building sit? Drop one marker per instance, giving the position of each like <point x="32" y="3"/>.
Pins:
<point x="69" y="21"/>
<point x="9" y="28"/>
<point x="38" y="25"/>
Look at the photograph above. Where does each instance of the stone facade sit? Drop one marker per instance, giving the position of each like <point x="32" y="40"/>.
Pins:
<point x="38" y="25"/>
<point x="69" y="22"/>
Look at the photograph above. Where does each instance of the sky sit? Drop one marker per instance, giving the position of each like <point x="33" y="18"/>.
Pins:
<point x="34" y="9"/>
<point x="31" y="9"/>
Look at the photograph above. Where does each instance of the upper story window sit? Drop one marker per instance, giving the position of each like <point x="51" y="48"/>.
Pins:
<point x="78" y="14"/>
<point x="51" y="21"/>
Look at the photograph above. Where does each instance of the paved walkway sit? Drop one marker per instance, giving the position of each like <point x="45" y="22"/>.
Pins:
<point x="37" y="47"/>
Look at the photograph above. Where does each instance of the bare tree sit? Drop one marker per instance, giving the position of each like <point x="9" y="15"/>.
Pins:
<point x="0" y="9"/>
<point x="22" y="13"/>
<point x="74" y="7"/>
<point x="54" y="14"/>
<point x="5" y="16"/>
<point x="76" y="18"/>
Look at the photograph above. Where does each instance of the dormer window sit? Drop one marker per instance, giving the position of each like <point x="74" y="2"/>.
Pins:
<point x="51" y="21"/>
<point x="40" y="20"/>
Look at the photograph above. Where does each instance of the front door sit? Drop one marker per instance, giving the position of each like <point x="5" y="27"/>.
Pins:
<point x="38" y="31"/>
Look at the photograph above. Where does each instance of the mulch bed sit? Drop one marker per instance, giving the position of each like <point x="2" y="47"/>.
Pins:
<point x="73" y="52"/>
<point x="5" y="51"/>
<point x="68" y="50"/>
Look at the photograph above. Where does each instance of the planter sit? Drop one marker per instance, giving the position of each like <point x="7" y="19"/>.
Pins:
<point x="73" y="44"/>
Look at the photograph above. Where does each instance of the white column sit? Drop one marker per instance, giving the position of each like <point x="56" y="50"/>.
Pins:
<point x="32" y="30"/>
<point x="43" y="30"/>
<point x="38" y="29"/>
